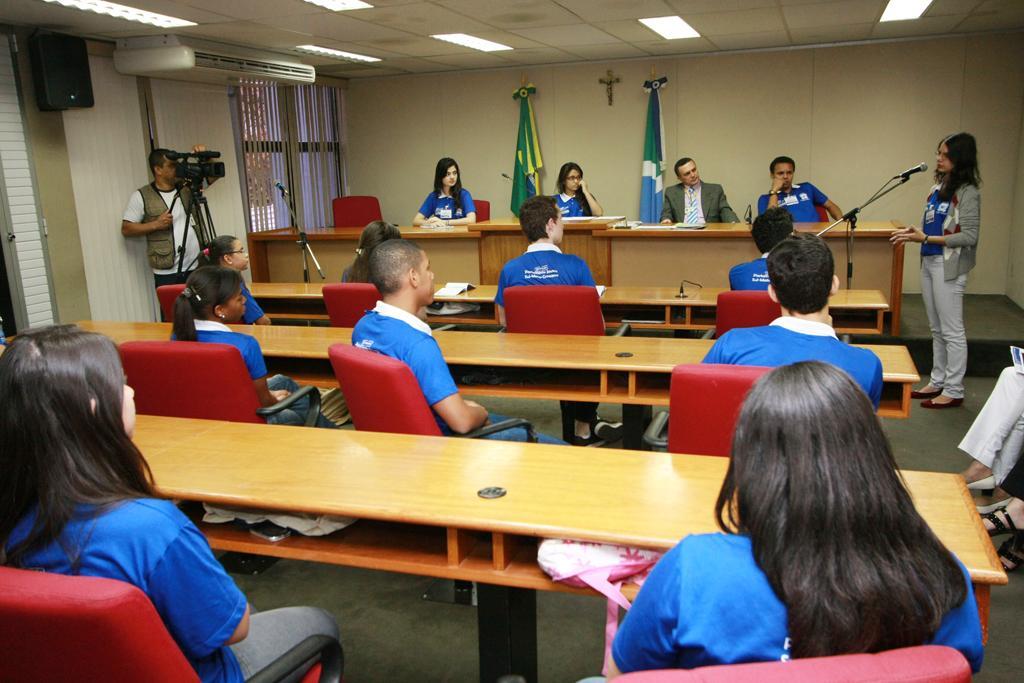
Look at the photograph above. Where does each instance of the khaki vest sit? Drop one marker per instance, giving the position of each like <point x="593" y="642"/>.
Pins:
<point x="160" y="246"/>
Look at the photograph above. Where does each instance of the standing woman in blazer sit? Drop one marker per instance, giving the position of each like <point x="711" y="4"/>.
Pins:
<point x="949" y="239"/>
<point x="449" y="203"/>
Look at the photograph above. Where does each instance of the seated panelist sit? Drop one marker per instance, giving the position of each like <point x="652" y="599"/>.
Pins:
<point x="449" y="203"/>
<point x="801" y="200"/>
<point x="693" y="201"/>
<point x="574" y="198"/>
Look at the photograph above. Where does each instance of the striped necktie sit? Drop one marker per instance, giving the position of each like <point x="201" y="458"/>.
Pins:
<point x="692" y="207"/>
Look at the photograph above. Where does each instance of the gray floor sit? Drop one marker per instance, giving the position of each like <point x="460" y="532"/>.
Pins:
<point x="390" y="634"/>
<point x="986" y="317"/>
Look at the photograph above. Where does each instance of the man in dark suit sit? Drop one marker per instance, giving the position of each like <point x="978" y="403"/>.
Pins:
<point x="692" y="201"/>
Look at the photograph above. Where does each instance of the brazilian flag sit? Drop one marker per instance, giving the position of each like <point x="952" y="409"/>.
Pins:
<point x="525" y="183"/>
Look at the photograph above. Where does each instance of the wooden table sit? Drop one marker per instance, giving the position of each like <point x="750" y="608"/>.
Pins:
<point x="633" y="371"/>
<point x="854" y="311"/>
<point x="416" y="498"/>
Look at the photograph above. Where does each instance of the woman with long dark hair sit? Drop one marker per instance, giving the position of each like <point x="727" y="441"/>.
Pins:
<point x="77" y="497"/>
<point x="949" y="237"/>
<point x="449" y="203"/>
<point x="574" y="198"/>
<point x="227" y="251"/>
<point x="212" y="300"/>
<point x="373" y="234"/>
<point x="823" y="552"/>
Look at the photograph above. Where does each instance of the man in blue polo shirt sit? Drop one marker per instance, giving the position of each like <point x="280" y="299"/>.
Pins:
<point x="545" y="264"/>
<point x="802" y="275"/>
<point x="770" y="228"/>
<point x="800" y="200"/>
<point x="401" y="272"/>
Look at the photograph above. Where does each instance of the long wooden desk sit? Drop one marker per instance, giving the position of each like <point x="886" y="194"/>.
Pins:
<point x="416" y="498"/>
<point x="854" y="311"/>
<point x="632" y="371"/>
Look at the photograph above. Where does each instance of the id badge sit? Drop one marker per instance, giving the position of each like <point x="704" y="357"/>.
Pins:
<point x="790" y="200"/>
<point x="444" y="213"/>
<point x="929" y="215"/>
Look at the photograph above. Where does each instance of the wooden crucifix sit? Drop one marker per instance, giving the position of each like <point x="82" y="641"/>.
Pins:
<point x="609" y="83"/>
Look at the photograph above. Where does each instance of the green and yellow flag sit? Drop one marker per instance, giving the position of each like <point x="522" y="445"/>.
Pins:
<point x="525" y="183"/>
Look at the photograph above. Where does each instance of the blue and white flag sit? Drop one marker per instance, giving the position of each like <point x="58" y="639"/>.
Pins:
<point x="651" y="185"/>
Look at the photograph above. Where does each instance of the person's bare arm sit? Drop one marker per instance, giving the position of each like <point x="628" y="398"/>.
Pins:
<point x="265" y="395"/>
<point x="833" y="210"/>
<point x="501" y="313"/>
<point x="265" y="320"/>
<point x="242" y="630"/>
<point x="461" y="415"/>
<point x="595" y="206"/>
<point x="161" y="222"/>
<point x="470" y="218"/>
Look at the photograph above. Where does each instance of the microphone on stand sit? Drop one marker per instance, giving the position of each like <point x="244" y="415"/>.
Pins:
<point x="284" y="192"/>
<point x="506" y="176"/>
<point x="748" y="215"/>
<point x="912" y="170"/>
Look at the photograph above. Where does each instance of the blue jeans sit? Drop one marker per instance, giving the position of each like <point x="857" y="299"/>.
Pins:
<point x="296" y="414"/>
<point x="518" y="433"/>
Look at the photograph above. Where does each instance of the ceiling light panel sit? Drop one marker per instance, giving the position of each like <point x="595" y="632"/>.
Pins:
<point x="337" y="54"/>
<point x="902" y="10"/>
<point x="112" y="9"/>
<point x="340" y="5"/>
<point x="670" y="28"/>
<point x="473" y="42"/>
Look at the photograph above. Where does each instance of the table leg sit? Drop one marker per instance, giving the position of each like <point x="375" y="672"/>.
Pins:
<point x="635" y="419"/>
<point x="507" y="632"/>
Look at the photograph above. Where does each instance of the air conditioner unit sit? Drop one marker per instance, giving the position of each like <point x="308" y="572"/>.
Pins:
<point x="187" y="59"/>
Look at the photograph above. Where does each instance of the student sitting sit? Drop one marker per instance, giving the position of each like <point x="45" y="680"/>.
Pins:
<point x="401" y="272"/>
<point x="78" y="498"/>
<point x="228" y="252"/>
<point x="848" y="566"/>
<point x="574" y="198"/>
<point x="770" y="228"/>
<point x="545" y="264"/>
<point x="449" y="203"/>
<point x="211" y="300"/>
<point x="373" y="234"/>
<point x="802" y="277"/>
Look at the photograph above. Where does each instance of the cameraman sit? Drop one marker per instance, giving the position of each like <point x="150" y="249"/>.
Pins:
<point x="153" y="210"/>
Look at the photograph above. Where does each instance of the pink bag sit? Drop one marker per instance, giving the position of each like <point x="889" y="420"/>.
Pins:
<point x="601" y="566"/>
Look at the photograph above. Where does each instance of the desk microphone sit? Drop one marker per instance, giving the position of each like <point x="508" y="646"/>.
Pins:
<point x="912" y="170"/>
<point x="748" y="215"/>
<point x="506" y="176"/>
<point x="278" y="185"/>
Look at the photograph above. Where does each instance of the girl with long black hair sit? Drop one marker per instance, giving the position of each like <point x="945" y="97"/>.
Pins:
<point x="449" y="203"/>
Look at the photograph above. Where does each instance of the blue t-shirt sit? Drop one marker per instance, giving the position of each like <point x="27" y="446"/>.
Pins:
<point x="248" y="346"/>
<point x="569" y="208"/>
<point x="935" y="212"/>
<point x="800" y="201"/>
<point x="750" y="276"/>
<point x="253" y="312"/>
<point x="772" y="346"/>
<point x="707" y="602"/>
<point x="543" y="267"/>
<point x="418" y="350"/>
<point x="150" y="544"/>
<point x="437" y="204"/>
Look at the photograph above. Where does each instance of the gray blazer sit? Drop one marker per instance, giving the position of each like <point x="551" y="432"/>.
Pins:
<point x="712" y="202"/>
<point x="959" y="253"/>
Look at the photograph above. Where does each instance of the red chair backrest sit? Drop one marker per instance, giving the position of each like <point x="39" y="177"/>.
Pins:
<point x="166" y="294"/>
<point x="704" y="402"/>
<point x="932" y="663"/>
<point x="82" y="628"/>
<point x="382" y="393"/>
<point x="190" y="379"/>
<point x="483" y="210"/>
<point x="744" y="309"/>
<point x="346" y="302"/>
<point x="822" y="213"/>
<point x="355" y="211"/>
<point x="554" y="309"/>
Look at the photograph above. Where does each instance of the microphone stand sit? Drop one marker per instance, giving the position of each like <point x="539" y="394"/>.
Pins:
<point x="850" y="217"/>
<point x="303" y="242"/>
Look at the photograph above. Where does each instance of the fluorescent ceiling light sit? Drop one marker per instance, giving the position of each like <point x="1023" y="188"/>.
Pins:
<point x="339" y="54"/>
<point x="112" y="9"/>
<point x="471" y="41"/>
<point x="340" y="5"/>
<point x="901" y="10"/>
<point x="670" y="28"/>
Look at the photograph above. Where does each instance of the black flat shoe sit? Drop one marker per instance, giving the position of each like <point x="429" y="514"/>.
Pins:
<point x="925" y="394"/>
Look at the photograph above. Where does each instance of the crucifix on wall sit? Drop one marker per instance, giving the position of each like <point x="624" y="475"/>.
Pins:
<point x="609" y="83"/>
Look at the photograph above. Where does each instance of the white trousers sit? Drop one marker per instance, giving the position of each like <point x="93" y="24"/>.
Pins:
<point x="997" y="435"/>
<point x="944" y="303"/>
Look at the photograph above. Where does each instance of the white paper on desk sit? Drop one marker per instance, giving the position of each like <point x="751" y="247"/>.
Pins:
<point x="454" y="289"/>
<point x="609" y="218"/>
<point x="600" y="289"/>
<point x="689" y="226"/>
<point x="1017" y="354"/>
<point x="651" y="226"/>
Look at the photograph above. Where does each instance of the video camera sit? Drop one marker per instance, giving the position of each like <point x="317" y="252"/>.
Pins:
<point x="202" y="167"/>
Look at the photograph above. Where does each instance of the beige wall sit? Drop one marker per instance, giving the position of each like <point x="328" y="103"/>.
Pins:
<point x="1015" y="269"/>
<point x="851" y="116"/>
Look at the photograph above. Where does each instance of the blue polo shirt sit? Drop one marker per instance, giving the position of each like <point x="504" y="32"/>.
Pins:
<point x="150" y="544"/>
<point x="750" y="276"/>
<point x="568" y="206"/>
<point x="253" y="312"/>
<point x="252" y="354"/>
<point x="436" y="204"/>
<point x="396" y="333"/>
<point x="707" y="602"/>
<point x="789" y="340"/>
<point x="543" y="264"/>
<point x="800" y="201"/>
<point x="935" y="213"/>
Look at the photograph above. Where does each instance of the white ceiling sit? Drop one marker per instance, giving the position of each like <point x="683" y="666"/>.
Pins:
<point x="541" y="31"/>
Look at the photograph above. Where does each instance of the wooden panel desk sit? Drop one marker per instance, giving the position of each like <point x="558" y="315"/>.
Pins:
<point x="633" y="371"/>
<point x="649" y="308"/>
<point x="416" y="498"/>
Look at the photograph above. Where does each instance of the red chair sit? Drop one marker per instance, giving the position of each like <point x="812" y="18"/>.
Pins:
<point x="166" y="294"/>
<point x="355" y="211"/>
<point x="744" y="309"/>
<point x="87" y="629"/>
<point x="346" y="302"/>
<point x="924" y="663"/>
<point x="553" y="309"/>
<point x="384" y="396"/>
<point x="199" y="380"/>
<point x="704" y="403"/>
<point x="483" y="210"/>
<point x="822" y="213"/>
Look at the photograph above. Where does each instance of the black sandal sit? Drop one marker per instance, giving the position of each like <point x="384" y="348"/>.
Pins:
<point x="1008" y="554"/>
<point x="998" y="525"/>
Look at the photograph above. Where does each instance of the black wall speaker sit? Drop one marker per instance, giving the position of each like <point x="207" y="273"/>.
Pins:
<point x="60" y="70"/>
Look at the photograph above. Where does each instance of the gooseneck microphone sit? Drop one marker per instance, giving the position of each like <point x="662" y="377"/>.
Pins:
<point x="506" y="176"/>
<point x="278" y="185"/>
<point x="912" y="170"/>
